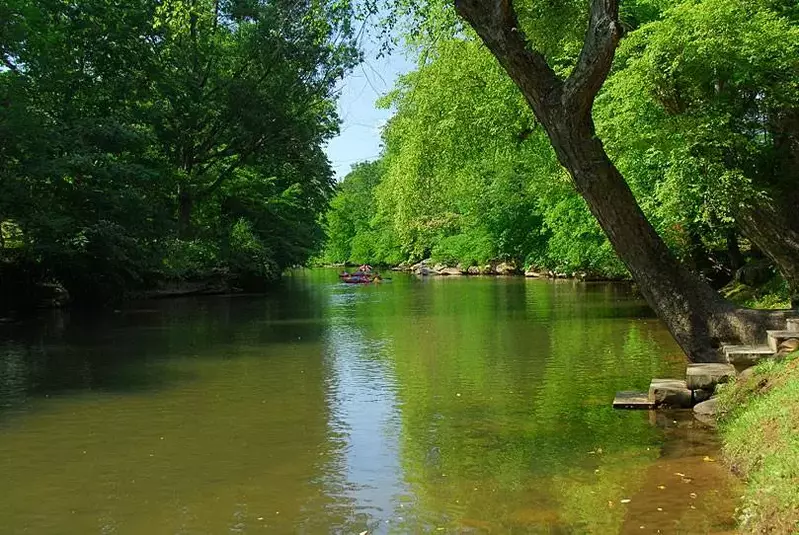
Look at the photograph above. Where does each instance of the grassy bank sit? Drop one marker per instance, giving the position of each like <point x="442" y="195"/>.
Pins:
<point x="760" y="430"/>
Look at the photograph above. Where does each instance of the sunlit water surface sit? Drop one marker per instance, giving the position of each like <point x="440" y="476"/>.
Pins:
<point x="437" y="406"/>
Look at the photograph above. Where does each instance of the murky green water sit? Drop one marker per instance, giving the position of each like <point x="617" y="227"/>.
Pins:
<point x="437" y="406"/>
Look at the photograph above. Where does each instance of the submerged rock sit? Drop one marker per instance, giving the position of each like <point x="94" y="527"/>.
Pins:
<point x="706" y="412"/>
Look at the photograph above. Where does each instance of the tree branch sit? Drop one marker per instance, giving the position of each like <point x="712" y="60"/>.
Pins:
<point x="496" y="23"/>
<point x="596" y="57"/>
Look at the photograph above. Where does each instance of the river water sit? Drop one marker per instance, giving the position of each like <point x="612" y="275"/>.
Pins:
<point x="479" y="405"/>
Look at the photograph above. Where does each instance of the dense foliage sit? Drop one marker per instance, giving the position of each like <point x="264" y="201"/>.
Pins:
<point x="146" y="141"/>
<point x="699" y="114"/>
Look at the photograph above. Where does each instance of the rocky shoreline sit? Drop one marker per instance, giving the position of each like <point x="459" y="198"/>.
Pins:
<point x="427" y="268"/>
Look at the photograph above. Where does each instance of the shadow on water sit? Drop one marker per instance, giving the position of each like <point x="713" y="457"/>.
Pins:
<point x="129" y="349"/>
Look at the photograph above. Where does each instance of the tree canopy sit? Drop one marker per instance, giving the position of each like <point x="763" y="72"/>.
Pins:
<point x="151" y="140"/>
<point x="691" y="114"/>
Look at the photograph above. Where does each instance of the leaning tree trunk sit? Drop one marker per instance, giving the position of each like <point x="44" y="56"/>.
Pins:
<point x="769" y="230"/>
<point x="698" y="318"/>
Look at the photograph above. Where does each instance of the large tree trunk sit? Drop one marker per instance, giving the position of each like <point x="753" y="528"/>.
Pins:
<point x="698" y="318"/>
<point x="771" y="231"/>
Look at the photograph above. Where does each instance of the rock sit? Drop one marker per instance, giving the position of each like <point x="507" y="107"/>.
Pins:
<point x="670" y="393"/>
<point x="450" y="271"/>
<point x="487" y="270"/>
<point x="746" y="374"/>
<point x="788" y="346"/>
<point x="473" y="270"/>
<point x="632" y="400"/>
<point x="746" y="355"/>
<point x="698" y="396"/>
<point x="419" y="265"/>
<point x="506" y="268"/>
<point x="705" y="376"/>
<point x="438" y="268"/>
<point x="422" y="268"/>
<point x="706" y="408"/>
<point x="706" y="411"/>
<point x="532" y="274"/>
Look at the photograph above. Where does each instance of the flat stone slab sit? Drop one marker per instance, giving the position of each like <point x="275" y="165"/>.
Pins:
<point x="670" y="393"/>
<point x="775" y="338"/>
<point x="706" y="376"/>
<point x="632" y="400"/>
<point x="793" y="324"/>
<point x="747" y="355"/>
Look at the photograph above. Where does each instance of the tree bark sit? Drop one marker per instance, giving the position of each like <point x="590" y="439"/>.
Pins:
<point x="697" y="317"/>
<point x="769" y="229"/>
<point x="185" y="208"/>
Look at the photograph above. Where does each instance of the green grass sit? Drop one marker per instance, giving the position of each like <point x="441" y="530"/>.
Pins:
<point x="760" y="430"/>
<point x="772" y="295"/>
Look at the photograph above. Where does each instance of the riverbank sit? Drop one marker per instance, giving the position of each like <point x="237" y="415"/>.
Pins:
<point x="759" y="425"/>
<point x="429" y="267"/>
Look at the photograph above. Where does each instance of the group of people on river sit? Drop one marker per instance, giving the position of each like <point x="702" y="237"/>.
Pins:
<point x="364" y="275"/>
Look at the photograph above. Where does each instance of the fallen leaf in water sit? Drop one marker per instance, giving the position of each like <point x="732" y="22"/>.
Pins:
<point x="599" y="450"/>
<point x="660" y="509"/>
<point x="596" y="471"/>
<point x="693" y="507"/>
<point x="693" y="495"/>
<point x="686" y="480"/>
<point x="364" y="533"/>
<point x="679" y="474"/>
<point x="610" y="504"/>
<point x="625" y="500"/>
<point x="661" y="487"/>
<point x="592" y="452"/>
<point x="709" y="459"/>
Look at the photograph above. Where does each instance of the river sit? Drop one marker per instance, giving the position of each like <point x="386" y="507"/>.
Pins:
<point x="479" y="405"/>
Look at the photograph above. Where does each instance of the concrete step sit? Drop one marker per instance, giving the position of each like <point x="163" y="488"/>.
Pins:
<point x="705" y="376"/>
<point x="775" y="338"/>
<point x="792" y="324"/>
<point x="632" y="400"/>
<point x="745" y="356"/>
<point x="672" y="393"/>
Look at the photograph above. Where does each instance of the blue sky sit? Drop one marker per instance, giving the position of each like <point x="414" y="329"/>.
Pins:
<point x="359" y="139"/>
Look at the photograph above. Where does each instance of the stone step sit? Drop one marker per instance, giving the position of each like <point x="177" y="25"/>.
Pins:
<point x="745" y="356"/>
<point x="705" y="376"/>
<point x="672" y="393"/>
<point x="775" y="338"/>
<point x="792" y="324"/>
<point x="632" y="400"/>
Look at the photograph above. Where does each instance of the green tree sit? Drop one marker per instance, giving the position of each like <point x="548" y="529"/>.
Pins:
<point x="147" y="140"/>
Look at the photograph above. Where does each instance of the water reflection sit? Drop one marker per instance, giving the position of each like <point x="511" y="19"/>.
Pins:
<point x="455" y="406"/>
